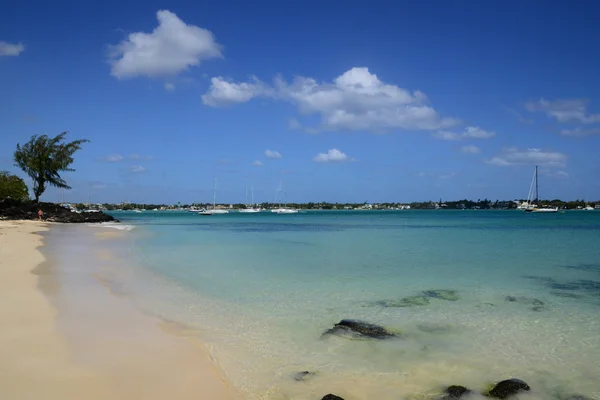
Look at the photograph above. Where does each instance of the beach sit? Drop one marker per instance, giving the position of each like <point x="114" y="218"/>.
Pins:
<point x="96" y="346"/>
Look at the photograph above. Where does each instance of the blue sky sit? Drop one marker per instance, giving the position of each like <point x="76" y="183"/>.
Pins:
<point x="353" y="101"/>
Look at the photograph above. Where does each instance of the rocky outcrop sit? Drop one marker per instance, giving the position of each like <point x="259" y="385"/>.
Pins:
<point x="331" y="397"/>
<point x="28" y="210"/>
<point x="359" y="329"/>
<point x="455" y="392"/>
<point x="507" y="388"/>
<point x="537" y="305"/>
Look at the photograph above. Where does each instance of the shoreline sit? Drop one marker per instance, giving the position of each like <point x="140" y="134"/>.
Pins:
<point x="62" y="341"/>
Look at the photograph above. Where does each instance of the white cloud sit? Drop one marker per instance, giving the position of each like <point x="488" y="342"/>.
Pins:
<point x="11" y="49"/>
<point x="137" y="169"/>
<point x="333" y="155"/>
<point x="355" y="100"/>
<point x="580" y="132"/>
<point x="294" y="124"/>
<point x="559" y="174"/>
<point x="169" y="87"/>
<point x="257" y="163"/>
<point x="514" y="156"/>
<point x="471" y="132"/>
<point x="564" y="110"/>
<point x="172" y="47"/>
<point x="113" y="158"/>
<point x="470" y="150"/>
<point x="272" y="154"/>
<point x="223" y="92"/>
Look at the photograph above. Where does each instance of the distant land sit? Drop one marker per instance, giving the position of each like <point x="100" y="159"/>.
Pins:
<point x="465" y="204"/>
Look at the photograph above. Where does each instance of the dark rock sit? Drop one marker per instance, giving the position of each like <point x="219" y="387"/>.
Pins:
<point x="455" y="392"/>
<point x="442" y="294"/>
<point x="563" y="286"/>
<point x="507" y="388"/>
<point x="359" y="329"/>
<point x="303" y="375"/>
<point x="331" y="397"/>
<point x="27" y="210"/>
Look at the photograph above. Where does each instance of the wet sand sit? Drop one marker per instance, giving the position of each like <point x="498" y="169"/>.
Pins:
<point x="95" y="345"/>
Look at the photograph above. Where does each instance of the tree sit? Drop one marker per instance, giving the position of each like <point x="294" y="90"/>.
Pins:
<point x="12" y="186"/>
<point x="43" y="158"/>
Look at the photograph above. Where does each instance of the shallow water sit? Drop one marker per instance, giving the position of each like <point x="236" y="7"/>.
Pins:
<point x="262" y="289"/>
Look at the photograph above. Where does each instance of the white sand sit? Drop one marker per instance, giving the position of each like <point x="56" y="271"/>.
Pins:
<point x="131" y="356"/>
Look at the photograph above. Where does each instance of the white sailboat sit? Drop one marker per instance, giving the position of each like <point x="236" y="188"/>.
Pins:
<point x="284" y="209"/>
<point x="214" y="209"/>
<point x="529" y="205"/>
<point x="252" y="208"/>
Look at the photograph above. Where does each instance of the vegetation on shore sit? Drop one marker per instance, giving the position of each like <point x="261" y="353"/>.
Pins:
<point x="11" y="186"/>
<point x="450" y="205"/>
<point x="43" y="158"/>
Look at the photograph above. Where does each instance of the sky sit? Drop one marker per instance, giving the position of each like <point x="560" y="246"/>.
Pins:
<point x="328" y="101"/>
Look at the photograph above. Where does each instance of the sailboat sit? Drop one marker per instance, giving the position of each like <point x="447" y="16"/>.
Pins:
<point x="529" y="205"/>
<point x="284" y="209"/>
<point x="214" y="209"/>
<point x="249" y="209"/>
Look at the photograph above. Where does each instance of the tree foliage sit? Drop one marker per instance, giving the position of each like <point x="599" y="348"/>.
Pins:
<point x="43" y="158"/>
<point x="12" y="186"/>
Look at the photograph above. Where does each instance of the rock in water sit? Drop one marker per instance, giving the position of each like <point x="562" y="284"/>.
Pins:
<point x="455" y="392"/>
<point x="507" y="388"/>
<point x="303" y="375"/>
<point x="410" y="301"/>
<point x="360" y="329"/>
<point x="331" y="397"/>
<point x="442" y="294"/>
<point x="537" y="304"/>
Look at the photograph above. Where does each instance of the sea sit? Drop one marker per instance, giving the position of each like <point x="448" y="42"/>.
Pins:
<point x="472" y="297"/>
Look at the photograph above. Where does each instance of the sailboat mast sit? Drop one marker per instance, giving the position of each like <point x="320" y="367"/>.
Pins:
<point x="252" y="196"/>
<point x="215" y="194"/>
<point x="246" y="199"/>
<point x="537" y="193"/>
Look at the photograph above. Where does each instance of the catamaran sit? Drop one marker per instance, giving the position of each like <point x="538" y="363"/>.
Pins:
<point x="529" y="205"/>
<point x="248" y="208"/>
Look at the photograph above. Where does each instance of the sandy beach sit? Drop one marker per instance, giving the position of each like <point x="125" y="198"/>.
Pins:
<point x="110" y="350"/>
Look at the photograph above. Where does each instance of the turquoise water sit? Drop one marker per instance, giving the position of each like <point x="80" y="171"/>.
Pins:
<point x="262" y="288"/>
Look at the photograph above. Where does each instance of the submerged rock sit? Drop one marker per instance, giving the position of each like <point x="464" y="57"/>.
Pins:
<point x="410" y="301"/>
<point x="537" y="304"/>
<point x="442" y="294"/>
<point x="507" y="388"/>
<point x="567" y="295"/>
<point x="303" y="375"/>
<point x="433" y="327"/>
<point x="455" y="392"/>
<point x="359" y="329"/>
<point x="331" y="397"/>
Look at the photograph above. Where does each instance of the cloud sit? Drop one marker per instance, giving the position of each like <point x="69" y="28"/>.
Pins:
<point x="137" y="169"/>
<point x="222" y="92"/>
<point x="11" y="49"/>
<point x="169" y="87"/>
<point x="112" y="158"/>
<point x="470" y="150"/>
<point x="333" y="155"/>
<point x="564" y="110"/>
<point x="559" y="174"/>
<point x="355" y="100"/>
<point x="172" y="47"/>
<point x="294" y="124"/>
<point x="471" y="132"/>
<point x="578" y="132"/>
<point x="272" y="154"/>
<point x="138" y="157"/>
<point x="257" y="163"/>
<point x="515" y="156"/>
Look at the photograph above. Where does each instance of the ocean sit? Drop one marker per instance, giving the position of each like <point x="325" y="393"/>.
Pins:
<point x="473" y="297"/>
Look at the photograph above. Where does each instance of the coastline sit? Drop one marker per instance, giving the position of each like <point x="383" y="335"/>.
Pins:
<point x="63" y="342"/>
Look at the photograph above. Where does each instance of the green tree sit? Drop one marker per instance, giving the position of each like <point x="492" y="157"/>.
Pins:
<point x="43" y="158"/>
<point x="12" y="186"/>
